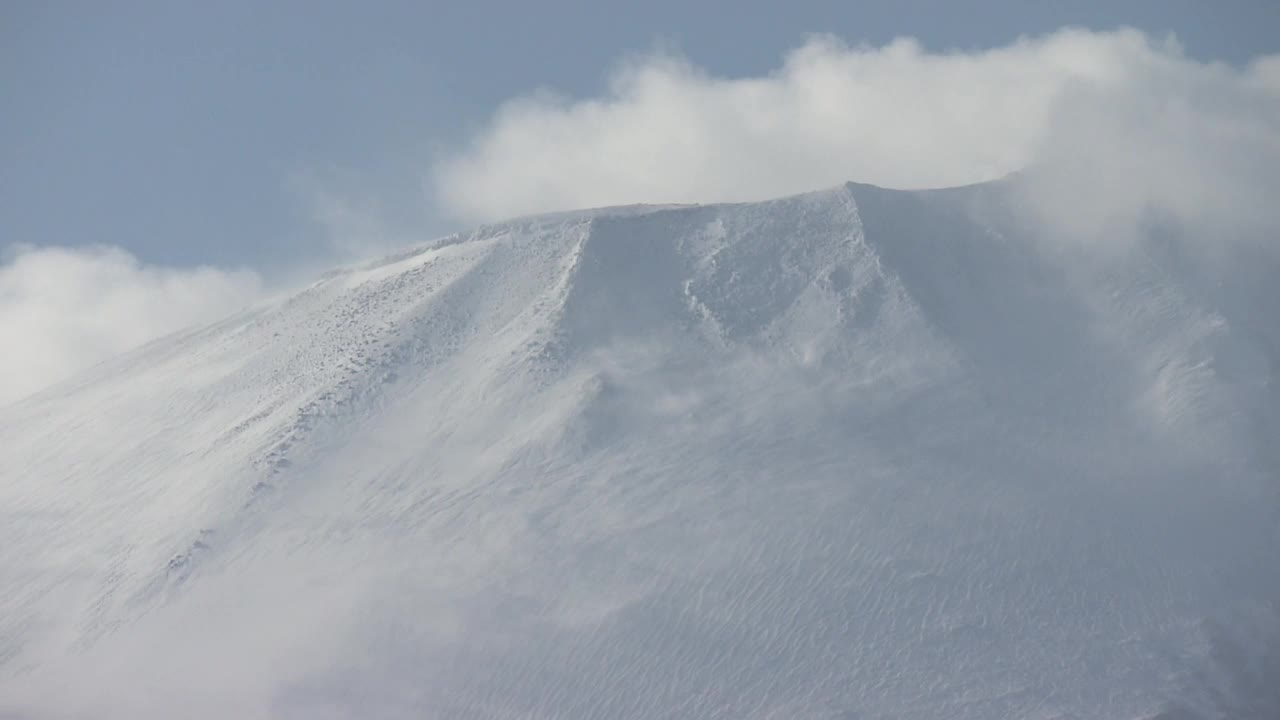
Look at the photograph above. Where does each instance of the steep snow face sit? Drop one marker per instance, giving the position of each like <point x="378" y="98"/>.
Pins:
<point x="853" y="454"/>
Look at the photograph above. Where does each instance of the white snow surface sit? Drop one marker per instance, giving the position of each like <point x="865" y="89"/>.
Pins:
<point x="852" y="454"/>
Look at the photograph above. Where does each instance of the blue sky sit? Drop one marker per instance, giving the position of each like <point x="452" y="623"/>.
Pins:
<point x="198" y="132"/>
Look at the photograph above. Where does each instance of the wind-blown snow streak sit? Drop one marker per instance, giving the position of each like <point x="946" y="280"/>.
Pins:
<point x="857" y="454"/>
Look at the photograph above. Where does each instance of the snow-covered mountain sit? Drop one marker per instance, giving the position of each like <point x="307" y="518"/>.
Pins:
<point x="852" y="454"/>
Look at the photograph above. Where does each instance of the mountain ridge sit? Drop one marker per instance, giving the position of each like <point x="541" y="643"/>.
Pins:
<point x="858" y="452"/>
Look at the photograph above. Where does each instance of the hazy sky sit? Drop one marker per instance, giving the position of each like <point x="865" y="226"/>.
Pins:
<point x="248" y="133"/>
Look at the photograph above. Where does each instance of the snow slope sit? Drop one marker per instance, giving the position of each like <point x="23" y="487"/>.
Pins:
<point x="852" y="454"/>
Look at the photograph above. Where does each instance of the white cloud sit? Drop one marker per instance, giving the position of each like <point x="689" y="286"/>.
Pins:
<point x="1112" y="123"/>
<point x="63" y="310"/>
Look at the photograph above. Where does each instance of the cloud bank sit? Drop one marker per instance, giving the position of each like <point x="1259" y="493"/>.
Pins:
<point x="63" y="310"/>
<point x="1108" y="128"/>
<point x="1113" y="123"/>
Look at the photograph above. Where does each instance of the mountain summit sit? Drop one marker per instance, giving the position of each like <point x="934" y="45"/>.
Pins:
<point x="852" y="454"/>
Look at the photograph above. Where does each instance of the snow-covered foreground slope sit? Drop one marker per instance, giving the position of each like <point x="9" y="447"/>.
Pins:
<point x="853" y="454"/>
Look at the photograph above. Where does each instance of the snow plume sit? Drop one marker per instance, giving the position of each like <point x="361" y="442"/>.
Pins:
<point x="1114" y="123"/>
<point x="64" y="309"/>
<point x="355" y="217"/>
